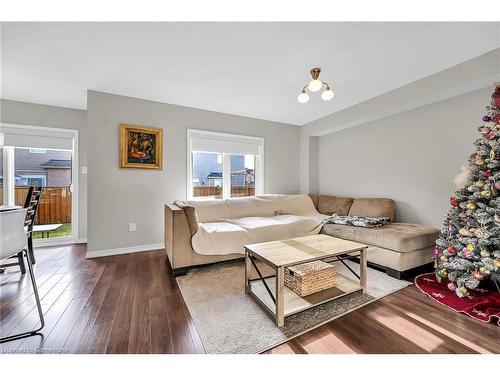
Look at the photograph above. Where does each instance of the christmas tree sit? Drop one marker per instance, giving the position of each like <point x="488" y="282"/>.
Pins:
<point x="468" y="249"/>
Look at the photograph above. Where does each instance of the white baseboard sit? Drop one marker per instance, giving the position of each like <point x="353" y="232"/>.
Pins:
<point x="124" y="250"/>
<point x="57" y="241"/>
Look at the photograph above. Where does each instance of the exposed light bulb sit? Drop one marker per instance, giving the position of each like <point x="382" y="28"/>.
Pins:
<point x="303" y="97"/>
<point x="315" y="85"/>
<point x="327" y="94"/>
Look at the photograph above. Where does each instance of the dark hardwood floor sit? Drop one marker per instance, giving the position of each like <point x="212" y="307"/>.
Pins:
<point x="131" y="304"/>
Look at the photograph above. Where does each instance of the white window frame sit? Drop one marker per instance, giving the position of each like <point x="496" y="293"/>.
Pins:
<point x="9" y="179"/>
<point x="226" y="163"/>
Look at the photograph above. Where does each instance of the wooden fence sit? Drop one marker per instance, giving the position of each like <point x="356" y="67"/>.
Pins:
<point x="55" y="204"/>
<point x="216" y="191"/>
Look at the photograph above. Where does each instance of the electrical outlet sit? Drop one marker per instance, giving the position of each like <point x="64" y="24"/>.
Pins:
<point x="84" y="170"/>
<point x="132" y="227"/>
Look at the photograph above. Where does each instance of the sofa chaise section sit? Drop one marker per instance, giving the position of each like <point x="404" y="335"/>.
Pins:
<point x="397" y="247"/>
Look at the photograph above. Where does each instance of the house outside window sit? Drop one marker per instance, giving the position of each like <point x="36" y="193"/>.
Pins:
<point x="222" y="165"/>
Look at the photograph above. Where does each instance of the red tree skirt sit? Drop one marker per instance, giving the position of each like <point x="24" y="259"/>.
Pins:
<point x="483" y="306"/>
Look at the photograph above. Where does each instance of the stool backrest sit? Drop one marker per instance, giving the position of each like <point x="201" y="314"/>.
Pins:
<point x="12" y="235"/>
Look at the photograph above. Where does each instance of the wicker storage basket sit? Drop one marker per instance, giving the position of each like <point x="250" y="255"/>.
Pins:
<point x="309" y="278"/>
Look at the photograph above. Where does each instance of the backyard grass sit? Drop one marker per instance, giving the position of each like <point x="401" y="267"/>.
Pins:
<point x="64" y="231"/>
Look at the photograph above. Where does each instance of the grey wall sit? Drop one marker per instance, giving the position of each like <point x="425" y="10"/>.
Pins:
<point x="411" y="157"/>
<point x="469" y="76"/>
<point x="120" y="196"/>
<point x="15" y="112"/>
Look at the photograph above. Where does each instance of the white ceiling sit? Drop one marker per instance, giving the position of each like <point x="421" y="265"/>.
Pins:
<point x="247" y="69"/>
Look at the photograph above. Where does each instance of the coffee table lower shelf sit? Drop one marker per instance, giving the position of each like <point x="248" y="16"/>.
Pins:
<point x="293" y="303"/>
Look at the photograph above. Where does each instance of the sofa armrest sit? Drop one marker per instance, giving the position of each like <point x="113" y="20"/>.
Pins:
<point x="191" y="216"/>
<point x="177" y="237"/>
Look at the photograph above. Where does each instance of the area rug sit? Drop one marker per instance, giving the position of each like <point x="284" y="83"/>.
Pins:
<point x="229" y="321"/>
<point x="480" y="305"/>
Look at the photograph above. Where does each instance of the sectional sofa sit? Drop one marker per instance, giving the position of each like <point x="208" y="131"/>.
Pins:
<point x="204" y="232"/>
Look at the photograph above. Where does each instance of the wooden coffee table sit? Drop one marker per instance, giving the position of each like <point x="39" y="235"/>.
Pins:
<point x="281" y="254"/>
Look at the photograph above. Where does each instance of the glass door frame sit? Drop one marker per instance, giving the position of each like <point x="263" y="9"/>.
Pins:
<point x="9" y="179"/>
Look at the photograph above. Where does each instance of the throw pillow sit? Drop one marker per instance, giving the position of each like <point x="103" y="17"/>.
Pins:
<point x="358" y="221"/>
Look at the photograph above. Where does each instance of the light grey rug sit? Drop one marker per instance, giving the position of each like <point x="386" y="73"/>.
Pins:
<point x="229" y="321"/>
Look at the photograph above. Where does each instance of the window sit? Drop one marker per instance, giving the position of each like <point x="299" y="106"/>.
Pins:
<point x="224" y="165"/>
<point x="242" y="175"/>
<point x="207" y="175"/>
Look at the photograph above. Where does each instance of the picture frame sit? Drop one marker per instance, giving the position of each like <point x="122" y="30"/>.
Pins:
<point x="141" y="147"/>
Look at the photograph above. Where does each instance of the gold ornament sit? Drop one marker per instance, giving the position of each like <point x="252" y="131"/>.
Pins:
<point x="486" y="193"/>
<point x="485" y="254"/>
<point x="442" y="273"/>
<point x="471" y="206"/>
<point x="464" y="290"/>
<point x="465" y="232"/>
<point x="478" y="160"/>
<point x="470" y="247"/>
<point x="484" y="271"/>
<point x="444" y="258"/>
<point x="481" y="233"/>
<point x="492" y="154"/>
<point x="479" y="183"/>
<point x="496" y="263"/>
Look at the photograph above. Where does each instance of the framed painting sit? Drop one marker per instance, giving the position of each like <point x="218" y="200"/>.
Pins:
<point x="141" y="147"/>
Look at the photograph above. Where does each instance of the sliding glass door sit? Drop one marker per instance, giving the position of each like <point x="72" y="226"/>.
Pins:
<point x="29" y="159"/>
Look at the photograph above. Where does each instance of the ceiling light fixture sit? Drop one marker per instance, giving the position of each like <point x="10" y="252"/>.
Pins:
<point x="315" y="85"/>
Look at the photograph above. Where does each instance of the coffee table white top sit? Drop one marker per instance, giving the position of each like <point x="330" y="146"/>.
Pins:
<point x="303" y="249"/>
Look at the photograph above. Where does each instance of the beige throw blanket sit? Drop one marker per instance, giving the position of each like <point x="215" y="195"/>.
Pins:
<point x="227" y="225"/>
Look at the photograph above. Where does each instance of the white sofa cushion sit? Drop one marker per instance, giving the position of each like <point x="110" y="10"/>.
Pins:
<point x="231" y="236"/>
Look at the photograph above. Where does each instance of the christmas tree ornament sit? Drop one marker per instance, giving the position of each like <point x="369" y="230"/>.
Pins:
<point x="436" y="251"/>
<point x="478" y="160"/>
<point x="461" y="292"/>
<point x="481" y="233"/>
<point x="490" y="135"/>
<point x="486" y="193"/>
<point x="442" y="273"/>
<point x="470" y="247"/>
<point x="497" y="185"/>
<point x="477" y="275"/>
<point x="479" y="183"/>
<point x="486" y="118"/>
<point x="484" y="271"/>
<point x="496" y="263"/>
<point x="487" y="174"/>
<point x="485" y="254"/>
<point x="496" y="119"/>
<point x="471" y="206"/>
<point x="492" y="154"/>
<point x="444" y="258"/>
<point x="451" y="250"/>
<point x="454" y="201"/>
<point x="465" y="232"/>
<point x="451" y="286"/>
